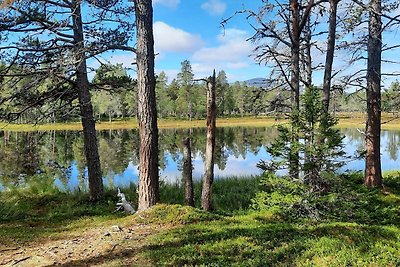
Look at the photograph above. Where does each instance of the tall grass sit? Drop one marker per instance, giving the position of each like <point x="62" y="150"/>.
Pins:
<point x="41" y="201"/>
<point x="232" y="194"/>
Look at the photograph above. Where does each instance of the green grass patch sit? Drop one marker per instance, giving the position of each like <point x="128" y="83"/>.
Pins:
<point x="358" y="227"/>
<point x="230" y="195"/>
<point x="41" y="210"/>
<point x="252" y="240"/>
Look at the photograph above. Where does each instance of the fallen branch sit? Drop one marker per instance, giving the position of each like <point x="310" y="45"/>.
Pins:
<point x="8" y="249"/>
<point x="21" y="260"/>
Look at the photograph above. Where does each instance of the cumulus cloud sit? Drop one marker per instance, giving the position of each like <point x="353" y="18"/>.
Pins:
<point x="214" y="7"/>
<point x="167" y="3"/>
<point x="170" y="39"/>
<point x="233" y="48"/>
<point x="232" y="52"/>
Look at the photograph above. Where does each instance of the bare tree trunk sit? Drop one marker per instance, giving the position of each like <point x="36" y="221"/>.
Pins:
<point x="307" y="52"/>
<point x="295" y="86"/>
<point x="307" y="63"/>
<point x="330" y="54"/>
<point x="147" y="111"/>
<point x="373" y="172"/>
<point x="86" y="109"/>
<point x="206" y="195"/>
<point x="187" y="172"/>
<point x="330" y="51"/>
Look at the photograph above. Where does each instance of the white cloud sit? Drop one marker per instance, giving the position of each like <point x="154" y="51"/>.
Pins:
<point x="127" y="60"/>
<point x="232" y="52"/>
<point x="233" y="48"/>
<point x="168" y="3"/>
<point x="170" y="39"/>
<point x="238" y="65"/>
<point x="214" y="7"/>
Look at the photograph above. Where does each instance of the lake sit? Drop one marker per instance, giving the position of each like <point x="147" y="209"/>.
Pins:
<point x="59" y="156"/>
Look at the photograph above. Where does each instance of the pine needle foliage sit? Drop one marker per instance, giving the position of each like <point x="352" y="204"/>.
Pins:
<point x="319" y="147"/>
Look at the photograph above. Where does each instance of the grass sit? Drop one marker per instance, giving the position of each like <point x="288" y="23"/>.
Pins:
<point x="345" y="121"/>
<point x="259" y="240"/>
<point x="39" y="211"/>
<point x="230" y="195"/>
<point x="360" y="226"/>
<point x="369" y="237"/>
<point x="26" y="215"/>
<point x="132" y="124"/>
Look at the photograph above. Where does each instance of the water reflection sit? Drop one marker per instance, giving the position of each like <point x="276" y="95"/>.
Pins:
<point x="59" y="155"/>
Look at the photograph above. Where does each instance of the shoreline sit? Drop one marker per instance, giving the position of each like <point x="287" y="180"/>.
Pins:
<point x="389" y="123"/>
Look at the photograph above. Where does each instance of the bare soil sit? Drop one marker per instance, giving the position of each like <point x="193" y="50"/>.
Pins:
<point x="100" y="246"/>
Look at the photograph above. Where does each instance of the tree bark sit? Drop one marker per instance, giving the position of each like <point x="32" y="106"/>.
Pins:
<point x="307" y="53"/>
<point x="187" y="172"/>
<point x="373" y="172"/>
<point x="147" y="112"/>
<point x="86" y="110"/>
<point x="329" y="55"/>
<point x="295" y="86"/>
<point x="206" y="196"/>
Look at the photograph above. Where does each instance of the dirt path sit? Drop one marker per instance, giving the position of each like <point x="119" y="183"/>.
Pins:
<point x="100" y="246"/>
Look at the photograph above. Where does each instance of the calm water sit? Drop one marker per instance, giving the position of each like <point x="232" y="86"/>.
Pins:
<point x="59" y="155"/>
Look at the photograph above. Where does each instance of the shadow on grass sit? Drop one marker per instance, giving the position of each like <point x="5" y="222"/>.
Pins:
<point x="123" y="257"/>
<point x="249" y="242"/>
<point x="25" y="216"/>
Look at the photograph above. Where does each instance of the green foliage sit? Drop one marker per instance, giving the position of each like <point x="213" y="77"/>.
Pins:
<point x="311" y="139"/>
<point x="253" y="240"/>
<point x="174" y="214"/>
<point x="115" y="92"/>
<point x="231" y="194"/>
<point x="358" y="227"/>
<point x="391" y="98"/>
<point x="345" y="200"/>
<point x="286" y="198"/>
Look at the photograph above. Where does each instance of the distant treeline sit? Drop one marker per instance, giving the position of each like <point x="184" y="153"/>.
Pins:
<point x="183" y="97"/>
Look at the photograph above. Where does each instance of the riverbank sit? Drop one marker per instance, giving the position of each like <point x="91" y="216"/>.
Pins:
<point x="346" y="120"/>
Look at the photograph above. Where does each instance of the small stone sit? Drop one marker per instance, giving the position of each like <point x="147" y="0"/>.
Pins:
<point x="107" y="234"/>
<point x="116" y="228"/>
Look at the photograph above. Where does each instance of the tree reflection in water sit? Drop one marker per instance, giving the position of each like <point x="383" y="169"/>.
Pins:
<point x="58" y="155"/>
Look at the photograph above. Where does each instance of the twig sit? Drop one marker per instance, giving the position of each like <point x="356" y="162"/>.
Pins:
<point x="361" y="132"/>
<point x="8" y="249"/>
<point x="20" y="260"/>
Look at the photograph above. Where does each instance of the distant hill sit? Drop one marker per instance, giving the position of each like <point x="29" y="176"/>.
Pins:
<point x="258" y="82"/>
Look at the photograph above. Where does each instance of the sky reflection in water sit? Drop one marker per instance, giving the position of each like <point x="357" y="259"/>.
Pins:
<point x="238" y="152"/>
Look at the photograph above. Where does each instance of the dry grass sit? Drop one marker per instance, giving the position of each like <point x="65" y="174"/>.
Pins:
<point x="345" y="121"/>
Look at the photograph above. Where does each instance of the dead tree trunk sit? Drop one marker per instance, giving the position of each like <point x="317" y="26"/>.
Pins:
<point x="330" y="55"/>
<point x="147" y="112"/>
<point x="86" y="109"/>
<point x="187" y="172"/>
<point x="295" y="87"/>
<point x="307" y="53"/>
<point x="373" y="172"/>
<point x="206" y="195"/>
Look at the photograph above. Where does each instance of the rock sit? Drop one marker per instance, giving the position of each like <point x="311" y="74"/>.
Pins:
<point x="116" y="228"/>
<point x="107" y="234"/>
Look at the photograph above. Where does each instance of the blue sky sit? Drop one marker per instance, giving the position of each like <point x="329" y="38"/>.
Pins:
<point x="191" y="29"/>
